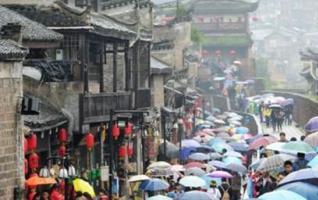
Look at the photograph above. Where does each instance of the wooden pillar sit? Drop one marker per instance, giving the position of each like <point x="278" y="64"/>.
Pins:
<point x="101" y="68"/>
<point x="127" y="67"/>
<point x="115" y="51"/>
<point x="149" y="64"/>
<point x="83" y="46"/>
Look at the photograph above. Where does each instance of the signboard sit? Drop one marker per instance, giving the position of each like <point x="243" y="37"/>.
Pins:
<point x="104" y="173"/>
<point x="115" y="188"/>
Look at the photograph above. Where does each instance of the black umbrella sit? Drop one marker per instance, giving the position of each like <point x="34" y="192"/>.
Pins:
<point x="172" y="151"/>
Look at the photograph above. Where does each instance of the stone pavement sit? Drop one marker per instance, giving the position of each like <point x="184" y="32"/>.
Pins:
<point x="291" y="131"/>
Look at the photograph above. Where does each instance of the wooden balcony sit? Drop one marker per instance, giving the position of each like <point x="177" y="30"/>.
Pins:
<point x="143" y="98"/>
<point x="95" y="108"/>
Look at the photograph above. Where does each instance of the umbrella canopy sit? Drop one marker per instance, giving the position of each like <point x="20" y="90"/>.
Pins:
<point x="172" y="151"/>
<point x="177" y="168"/>
<point x="256" y="163"/>
<point x="186" y="151"/>
<point x="190" y="143"/>
<point x="233" y="154"/>
<point x="275" y="106"/>
<point x="263" y="141"/>
<point x="220" y="174"/>
<point x="194" y="171"/>
<point x="313" y="162"/>
<point x="138" y="178"/>
<point x="217" y="164"/>
<point x="239" y="146"/>
<point x="215" y="141"/>
<point x="199" y="156"/>
<point x="195" y="195"/>
<point x="308" y="191"/>
<point x="241" y="130"/>
<point x="208" y="180"/>
<point x="252" y="139"/>
<point x="228" y="160"/>
<point x="219" y="147"/>
<point x="159" y="165"/>
<point x="204" y="148"/>
<point x="274" y="162"/>
<point x="36" y="180"/>
<point x="297" y="147"/>
<point x="276" y="146"/>
<point x="287" y="102"/>
<point x="281" y="194"/>
<point x="159" y="197"/>
<point x="214" y="156"/>
<point x="155" y="184"/>
<point x="194" y="164"/>
<point x="192" y="181"/>
<point x="308" y="175"/>
<point x="312" y="140"/>
<point x="236" y="168"/>
<point x="312" y="125"/>
<point x="82" y="186"/>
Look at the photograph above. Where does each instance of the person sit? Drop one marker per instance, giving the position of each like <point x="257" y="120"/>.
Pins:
<point x="87" y="196"/>
<point x="236" y="185"/>
<point x="55" y="194"/>
<point x="266" y="184"/>
<point x="45" y="195"/>
<point x="103" y="195"/>
<point x="273" y="118"/>
<point x="282" y="137"/>
<point x="293" y="139"/>
<point x="37" y="196"/>
<point x="267" y="114"/>
<point x="288" y="168"/>
<point x="280" y="119"/>
<point x="260" y="111"/>
<point x="213" y="191"/>
<point x="224" y="188"/>
<point x="301" y="163"/>
<point x="302" y="138"/>
<point x="280" y="177"/>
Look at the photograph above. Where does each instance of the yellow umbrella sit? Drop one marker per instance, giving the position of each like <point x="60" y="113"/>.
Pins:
<point x="82" y="186"/>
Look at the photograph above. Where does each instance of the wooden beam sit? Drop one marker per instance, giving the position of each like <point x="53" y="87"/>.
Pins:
<point x="101" y="68"/>
<point x="115" y="45"/>
<point x="127" y="67"/>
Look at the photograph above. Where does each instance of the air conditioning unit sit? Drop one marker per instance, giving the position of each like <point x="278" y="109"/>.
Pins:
<point x="59" y="54"/>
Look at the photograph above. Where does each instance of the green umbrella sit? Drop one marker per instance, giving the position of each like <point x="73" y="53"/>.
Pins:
<point x="297" y="147"/>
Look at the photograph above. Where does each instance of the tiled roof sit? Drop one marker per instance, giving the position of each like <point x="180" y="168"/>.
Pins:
<point x="10" y="50"/>
<point x="31" y="30"/>
<point x="224" y="6"/>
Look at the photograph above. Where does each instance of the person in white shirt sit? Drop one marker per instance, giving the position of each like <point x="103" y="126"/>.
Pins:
<point x="213" y="191"/>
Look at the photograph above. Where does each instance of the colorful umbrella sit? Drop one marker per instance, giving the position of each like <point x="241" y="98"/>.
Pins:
<point x="308" y="175"/>
<point x="190" y="143"/>
<point x="155" y="184"/>
<point x="256" y="163"/>
<point x="297" y="147"/>
<point x="194" y="171"/>
<point x="159" y="197"/>
<point x="228" y="160"/>
<point x="274" y="162"/>
<point x="186" y="151"/>
<point x="193" y="164"/>
<point x="195" y="195"/>
<point x="159" y="164"/>
<point x="233" y="154"/>
<point x="220" y="174"/>
<point x="312" y="140"/>
<point x="199" y="156"/>
<point x="204" y="148"/>
<point x="281" y="194"/>
<point x="138" y="178"/>
<point x="308" y="191"/>
<point x="217" y="164"/>
<point x="82" y="186"/>
<point x="36" y="180"/>
<point x="239" y="146"/>
<point x="313" y="163"/>
<point x="263" y="141"/>
<point x="312" y="125"/>
<point x="252" y="139"/>
<point x="215" y="141"/>
<point x="192" y="181"/>
<point x="242" y="130"/>
<point x="236" y="168"/>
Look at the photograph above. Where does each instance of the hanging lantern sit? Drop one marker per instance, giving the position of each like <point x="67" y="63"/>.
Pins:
<point x="62" y="135"/>
<point x="32" y="142"/>
<point x="218" y="52"/>
<point x="62" y="150"/>
<point x="128" y="129"/>
<point x="232" y="52"/>
<point x="130" y="150"/>
<point x="26" y="166"/>
<point x="89" y="138"/>
<point x="34" y="161"/>
<point x="25" y="147"/>
<point x="122" y="151"/>
<point x="115" y="131"/>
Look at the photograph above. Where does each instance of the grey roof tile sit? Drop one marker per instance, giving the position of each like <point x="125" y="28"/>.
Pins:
<point x="11" y="50"/>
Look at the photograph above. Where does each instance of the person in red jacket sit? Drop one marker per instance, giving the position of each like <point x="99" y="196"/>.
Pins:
<point x="103" y="195"/>
<point x="55" y="193"/>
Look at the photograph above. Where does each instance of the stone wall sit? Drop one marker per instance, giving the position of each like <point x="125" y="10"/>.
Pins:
<point x="157" y="91"/>
<point x="11" y="154"/>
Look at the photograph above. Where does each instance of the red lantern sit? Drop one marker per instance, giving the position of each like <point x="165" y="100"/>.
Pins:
<point x="62" y="151"/>
<point x="115" y="131"/>
<point x="62" y="135"/>
<point x="218" y="52"/>
<point x="128" y="129"/>
<point x="122" y="151"/>
<point x="32" y="142"/>
<point x="34" y="161"/>
<point x="26" y="166"/>
<point x="25" y="147"/>
<point x="232" y="52"/>
<point x="130" y="150"/>
<point x="89" y="141"/>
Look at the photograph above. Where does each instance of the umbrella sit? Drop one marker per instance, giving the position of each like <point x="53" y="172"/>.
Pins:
<point x="204" y="148"/>
<point x="82" y="186"/>
<point x="234" y="122"/>
<point x="158" y="172"/>
<point x="308" y="175"/>
<point x="208" y="180"/>
<point x="185" y="152"/>
<point x="312" y="139"/>
<point x="172" y="151"/>
<point x="36" y="180"/>
<point x="275" y="106"/>
<point x="159" y="197"/>
<point x="155" y="184"/>
<point x="263" y="141"/>
<point x="256" y="163"/>
<point x="274" y="162"/>
<point x="297" y="147"/>
<point x="177" y="168"/>
<point x="190" y="143"/>
<point x="217" y="164"/>
<point x="312" y="125"/>
<point x="309" y="191"/>
<point x="281" y="194"/>
<point x="159" y="164"/>
<point x="236" y="168"/>
<point x="228" y="160"/>
<point x="219" y="147"/>
<point x="214" y="156"/>
<point x="138" y="178"/>
<point x="219" y="121"/>
<point x="287" y="102"/>
<point x="239" y="146"/>
<point x="199" y="156"/>
<point x="220" y="174"/>
<point x="276" y="146"/>
<point x="195" y="195"/>
<point x="215" y="141"/>
<point x="192" y="181"/>
<point x="233" y="154"/>
<point x="313" y="162"/>
<point x="252" y="139"/>
<point x="193" y="164"/>
<point x="194" y="171"/>
<point x="241" y="130"/>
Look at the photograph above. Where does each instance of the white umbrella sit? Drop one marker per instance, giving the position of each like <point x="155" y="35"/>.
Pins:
<point x="159" y="164"/>
<point x="192" y="181"/>
<point x="138" y="178"/>
<point x="159" y="197"/>
<point x="177" y="168"/>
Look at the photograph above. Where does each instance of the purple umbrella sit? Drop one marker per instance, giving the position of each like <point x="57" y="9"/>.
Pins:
<point x="235" y="167"/>
<point x="190" y="143"/>
<point x="220" y="174"/>
<point x="239" y="146"/>
<point x="312" y="125"/>
<point x="308" y="175"/>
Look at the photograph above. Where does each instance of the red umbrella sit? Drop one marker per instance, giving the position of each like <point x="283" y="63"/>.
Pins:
<point x="194" y="164"/>
<point x="263" y="141"/>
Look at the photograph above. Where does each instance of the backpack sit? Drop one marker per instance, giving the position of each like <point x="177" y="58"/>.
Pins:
<point x="226" y="195"/>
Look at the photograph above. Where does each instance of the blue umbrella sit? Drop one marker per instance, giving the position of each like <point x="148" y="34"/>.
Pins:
<point x="229" y="160"/>
<point x="217" y="164"/>
<point x="195" y="195"/>
<point x="198" y="156"/>
<point x="154" y="184"/>
<point x="312" y="125"/>
<point x="281" y="194"/>
<point x="313" y="162"/>
<point x="308" y="175"/>
<point x="309" y="191"/>
<point x="190" y="143"/>
<point x="216" y="141"/>
<point x="185" y="152"/>
<point x="241" y="130"/>
<point x="219" y="147"/>
<point x="239" y="146"/>
<point x="208" y="180"/>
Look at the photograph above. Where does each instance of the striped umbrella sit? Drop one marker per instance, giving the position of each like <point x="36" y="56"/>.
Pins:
<point x="274" y="162"/>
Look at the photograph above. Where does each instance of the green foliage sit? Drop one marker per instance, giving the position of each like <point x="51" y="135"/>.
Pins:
<point x="196" y="36"/>
<point x="181" y="11"/>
